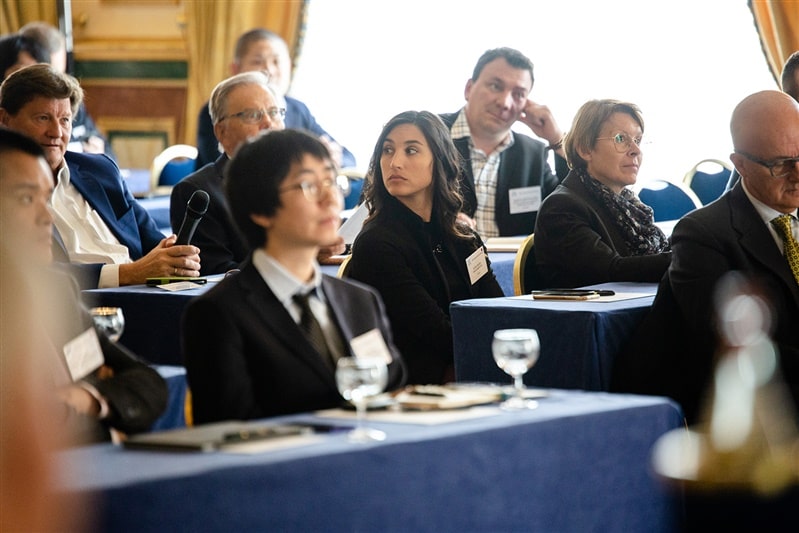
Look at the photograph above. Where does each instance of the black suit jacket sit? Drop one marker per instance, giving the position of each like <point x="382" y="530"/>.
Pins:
<point x="522" y="165"/>
<point x="673" y="351"/>
<point x="577" y="243"/>
<point x="246" y="358"/>
<point x="393" y="253"/>
<point x="136" y="394"/>
<point x="222" y="247"/>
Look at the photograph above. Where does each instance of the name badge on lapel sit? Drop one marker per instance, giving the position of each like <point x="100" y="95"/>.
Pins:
<point x="371" y="345"/>
<point x="524" y="199"/>
<point x="477" y="265"/>
<point x="83" y="354"/>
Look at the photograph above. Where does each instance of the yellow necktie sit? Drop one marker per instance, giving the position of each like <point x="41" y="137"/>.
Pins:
<point x="783" y="225"/>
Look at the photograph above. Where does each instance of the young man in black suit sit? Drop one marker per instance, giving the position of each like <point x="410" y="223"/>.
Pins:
<point x="673" y="352"/>
<point x="246" y="353"/>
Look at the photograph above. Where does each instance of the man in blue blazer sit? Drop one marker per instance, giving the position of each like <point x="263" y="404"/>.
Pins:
<point x="266" y="51"/>
<point x="98" y="224"/>
<point x="674" y="351"/>
<point x="247" y="352"/>
<point x="506" y="175"/>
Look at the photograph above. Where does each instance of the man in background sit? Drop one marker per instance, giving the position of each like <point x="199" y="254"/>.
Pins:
<point x="99" y="227"/>
<point x="751" y="229"/>
<point x="240" y="107"/>
<point x="506" y="174"/>
<point x="263" y="50"/>
<point x="86" y="137"/>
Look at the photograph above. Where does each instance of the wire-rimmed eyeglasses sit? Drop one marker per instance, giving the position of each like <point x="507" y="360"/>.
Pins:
<point x="255" y="116"/>
<point x="623" y="142"/>
<point x="779" y="168"/>
<point x="313" y="190"/>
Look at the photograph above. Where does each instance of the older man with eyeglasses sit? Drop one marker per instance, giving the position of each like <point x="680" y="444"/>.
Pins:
<point x="752" y="230"/>
<point x="240" y="107"/>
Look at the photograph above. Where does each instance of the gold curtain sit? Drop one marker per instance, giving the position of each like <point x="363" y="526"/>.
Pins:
<point x="17" y="13"/>
<point x="777" y="22"/>
<point x="211" y="32"/>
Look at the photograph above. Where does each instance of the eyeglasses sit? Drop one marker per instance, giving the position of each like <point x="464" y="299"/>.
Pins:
<point x="313" y="190"/>
<point x="255" y="116"/>
<point x="779" y="168"/>
<point x="623" y="142"/>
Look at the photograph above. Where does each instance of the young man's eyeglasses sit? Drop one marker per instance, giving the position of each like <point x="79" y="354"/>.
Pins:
<point x="313" y="189"/>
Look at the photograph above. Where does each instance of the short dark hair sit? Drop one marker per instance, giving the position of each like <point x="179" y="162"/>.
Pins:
<point x="254" y="175"/>
<point x="253" y="36"/>
<point x="447" y="200"/>
<point x="789" y="75"/>
<point x="514" y="58"/>
<point x="12" y="141"/>
<point x="26" y="84"/>
<point x="13" y="44"/>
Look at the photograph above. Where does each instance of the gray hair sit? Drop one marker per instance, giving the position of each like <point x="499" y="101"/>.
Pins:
<point x="217" y="107"/>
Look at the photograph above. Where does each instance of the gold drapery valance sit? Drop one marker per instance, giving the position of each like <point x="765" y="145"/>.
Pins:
<point x="777" y="22"/>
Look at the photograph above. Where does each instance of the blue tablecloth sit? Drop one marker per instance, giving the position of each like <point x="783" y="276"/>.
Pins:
<point x="152" y="315"/>
<point x="580" y="462"/>
<point x="579" y="340"/>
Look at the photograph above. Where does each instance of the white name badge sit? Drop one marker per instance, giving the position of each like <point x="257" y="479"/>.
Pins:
<point x="524" y="199"/>
<point x="83" y="354"/>
<point x="371" y="345"/>
<point x="477" y="265"/>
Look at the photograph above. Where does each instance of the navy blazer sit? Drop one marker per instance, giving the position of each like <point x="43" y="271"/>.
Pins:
<point x="222" y="247"/>
<point x="298" y="116"/>
<point x="673" y="352"/>
<point x="98" y="180"/>
<point x="577" y="243"/>
<point x="524" y="164"/>
<point x="246" y="358"/>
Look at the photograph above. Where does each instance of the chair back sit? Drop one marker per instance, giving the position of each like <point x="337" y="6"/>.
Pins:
<point x="668" y="200"/>
<point x="170" y="166"/>
<point x="344" y="267"/>
<point x="523" y="267"/>
<point x="355" y="181"/>
<point x="708" y="185"/>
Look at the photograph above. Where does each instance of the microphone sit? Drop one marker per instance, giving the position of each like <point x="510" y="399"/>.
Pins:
<point x="198" y="205"/>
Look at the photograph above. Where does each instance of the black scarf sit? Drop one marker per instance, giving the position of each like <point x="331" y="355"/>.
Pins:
<point x="633" y="218"/>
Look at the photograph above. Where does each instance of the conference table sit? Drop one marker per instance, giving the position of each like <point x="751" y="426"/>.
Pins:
<point x="579" y="339"/>
<point x="153" y="314"/>
<point x="579" y="462"/>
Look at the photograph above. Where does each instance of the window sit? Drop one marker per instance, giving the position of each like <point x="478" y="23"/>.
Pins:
<point x="685" y="63"/>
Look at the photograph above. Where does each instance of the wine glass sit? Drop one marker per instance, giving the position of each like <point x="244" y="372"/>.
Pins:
<point x="109" y="321"/>
<point x="359" y="379"/>
<point x="515" y="351"/>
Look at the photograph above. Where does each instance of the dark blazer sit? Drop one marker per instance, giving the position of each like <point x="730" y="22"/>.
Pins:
<point x="136" y="394"/>
<point x="246" y="357"/>
<point x="222" y="246"/>
<point x="522" y="165"/>
<point x="98" y="180"/>
<point x="577" y="243"/>
<point x="393" y="254"/>
<point x="298" y="116"/>
<point x="672" y="352"/>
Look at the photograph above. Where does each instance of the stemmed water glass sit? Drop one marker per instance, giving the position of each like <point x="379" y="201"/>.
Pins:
<point x="359" y="379"/>
<point x="109" y="321"/>
<point x="515" y="351"/>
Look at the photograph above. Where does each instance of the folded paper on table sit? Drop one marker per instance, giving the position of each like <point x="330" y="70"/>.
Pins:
<point x="421" y="418"/>
<point x="352" y="226"/>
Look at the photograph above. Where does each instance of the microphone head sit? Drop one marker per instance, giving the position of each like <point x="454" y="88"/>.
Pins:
<point x="198" y="202"/>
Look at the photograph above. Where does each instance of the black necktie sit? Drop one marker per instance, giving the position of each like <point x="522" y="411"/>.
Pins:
<point x="311" y="326"/>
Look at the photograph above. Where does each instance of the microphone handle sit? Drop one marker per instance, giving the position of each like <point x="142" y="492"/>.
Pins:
<point x="187" y="229"/>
